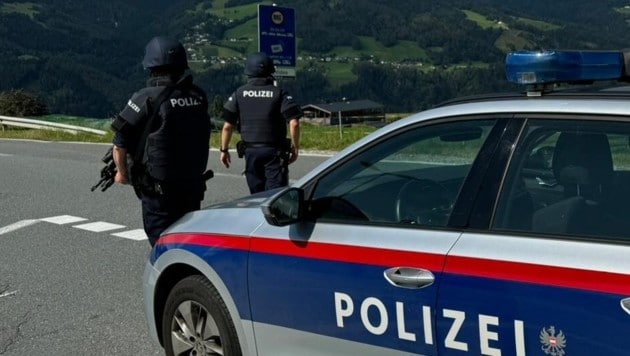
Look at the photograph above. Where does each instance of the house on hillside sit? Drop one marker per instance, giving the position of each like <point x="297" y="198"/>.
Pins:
<point x="350" y="112"/>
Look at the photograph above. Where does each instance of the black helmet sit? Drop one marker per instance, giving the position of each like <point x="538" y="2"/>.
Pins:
<point x="259" y="65"/>
<point x="164" y="51"/>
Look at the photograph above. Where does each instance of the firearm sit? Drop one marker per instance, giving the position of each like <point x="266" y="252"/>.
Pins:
<point x="207" y="175"/>
<point x="108" y="172"/>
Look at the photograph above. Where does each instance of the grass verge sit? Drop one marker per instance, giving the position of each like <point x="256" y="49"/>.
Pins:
<point x="312" y="137"/>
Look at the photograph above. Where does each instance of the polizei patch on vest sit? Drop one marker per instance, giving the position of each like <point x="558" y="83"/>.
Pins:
<point x="133" y="106"/>
<point x="257" y="94"/>
<point x="184" y="102"/>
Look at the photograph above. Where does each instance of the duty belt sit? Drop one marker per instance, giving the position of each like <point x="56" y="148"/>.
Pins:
<point x="262" y="144"/>
<point x="242" y="145"/>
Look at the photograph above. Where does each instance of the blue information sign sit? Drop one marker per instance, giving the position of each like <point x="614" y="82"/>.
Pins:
<point x="276" y="37"/>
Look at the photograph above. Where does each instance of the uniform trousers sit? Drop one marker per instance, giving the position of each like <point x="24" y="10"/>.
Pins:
<point x="160" y="211"/>
<point x="265" y="169"/>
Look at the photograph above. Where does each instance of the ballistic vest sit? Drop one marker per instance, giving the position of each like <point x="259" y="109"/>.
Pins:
<point x="259" y="103"/>
<point x="177" y="150"/>
<point x="177" y="145"/>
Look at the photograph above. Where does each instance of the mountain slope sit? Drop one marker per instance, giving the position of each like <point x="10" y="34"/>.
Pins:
<point x="83" y="57"/>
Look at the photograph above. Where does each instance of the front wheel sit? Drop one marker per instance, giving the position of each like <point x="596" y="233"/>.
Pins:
<point x="197" y="322"/>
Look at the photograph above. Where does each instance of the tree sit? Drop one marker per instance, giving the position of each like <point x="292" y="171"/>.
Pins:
<point x="21" y="103"/>
<point x="216" y="108"/>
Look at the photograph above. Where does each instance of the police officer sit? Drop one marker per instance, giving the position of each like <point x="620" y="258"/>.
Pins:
<point x="260" y="111"/>
<point x="165" y="130"/>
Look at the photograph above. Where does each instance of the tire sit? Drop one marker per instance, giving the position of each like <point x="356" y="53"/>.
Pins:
<point x="197" y="322"/>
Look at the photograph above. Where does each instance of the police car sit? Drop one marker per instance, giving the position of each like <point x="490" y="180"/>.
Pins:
<point x="494" y="225"/>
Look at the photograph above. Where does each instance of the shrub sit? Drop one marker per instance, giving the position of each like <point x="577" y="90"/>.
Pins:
<point x="21" y="103"/>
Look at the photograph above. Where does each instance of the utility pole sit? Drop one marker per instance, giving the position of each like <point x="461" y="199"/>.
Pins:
<point x="340" y="132"/>
<point x="343" y="100"/>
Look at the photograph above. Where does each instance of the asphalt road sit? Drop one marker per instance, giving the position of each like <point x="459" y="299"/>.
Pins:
<point x="71" y="260"/>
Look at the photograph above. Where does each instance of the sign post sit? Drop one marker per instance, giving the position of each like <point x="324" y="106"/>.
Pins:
<point x="276" y="37"/>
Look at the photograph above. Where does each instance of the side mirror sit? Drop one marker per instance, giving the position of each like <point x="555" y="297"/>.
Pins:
<point x="284" y="208"/>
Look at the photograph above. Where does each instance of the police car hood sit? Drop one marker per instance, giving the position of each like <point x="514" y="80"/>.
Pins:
<point x="237" y="217"/>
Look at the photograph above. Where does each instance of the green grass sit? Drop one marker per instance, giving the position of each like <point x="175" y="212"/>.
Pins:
<point x="27" y="57"/>
<point x="247" y="30"/>
<point x="26" y="8"/>
<point x="329" y="138"/>
<point x="219" y="3"/>
<point x="512" y="40"/>
<point x="401" y="51"/>
<point x="315" y="138"/>
<point x="541" y="25"/>
<point x="53" y="135"/>
<point x="484" y="22"/>
<point x="100" y="124"/>
<point x="224" y="52"/>
<point x="341" y="72"/>
<point x="236" y="12"/>
<point x="312" y="137"/>
<point x="59" y="135"/>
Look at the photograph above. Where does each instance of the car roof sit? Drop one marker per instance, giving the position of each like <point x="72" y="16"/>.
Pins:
<point x="615" y="103"/>
<point x="569" y="92"/>
<point x="607" y="100"/>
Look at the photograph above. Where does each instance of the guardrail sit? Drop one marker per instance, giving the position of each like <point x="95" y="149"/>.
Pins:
<point x="46" y="125"/>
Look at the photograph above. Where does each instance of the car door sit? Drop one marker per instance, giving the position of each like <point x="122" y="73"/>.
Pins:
<point x="360" y="274"/>
<point x="551" y="274"/>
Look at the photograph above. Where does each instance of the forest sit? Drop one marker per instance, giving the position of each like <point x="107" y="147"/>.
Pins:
<point x="83" y="57"/>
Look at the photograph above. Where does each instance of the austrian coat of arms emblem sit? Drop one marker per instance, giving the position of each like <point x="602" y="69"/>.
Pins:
<point x="553" y="343"/>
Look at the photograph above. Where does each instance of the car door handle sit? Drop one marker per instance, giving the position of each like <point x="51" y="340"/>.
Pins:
<point x="625" y="305"/>
<point x="409" y="277"/>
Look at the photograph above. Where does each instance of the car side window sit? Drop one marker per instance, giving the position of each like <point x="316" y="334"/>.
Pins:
<point x="568" y="178"/>
<point x="411" y="178"/>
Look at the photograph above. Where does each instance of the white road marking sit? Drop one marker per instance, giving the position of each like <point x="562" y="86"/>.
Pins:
<point x="63" y="219"/>
<point x="8" y="294"/>
<point x="17" y="225"/>
<point x="227" y="175"/>
<point x="5" y="155"/>
<point x="99" y="226"/>
<point x="137" y="235"/>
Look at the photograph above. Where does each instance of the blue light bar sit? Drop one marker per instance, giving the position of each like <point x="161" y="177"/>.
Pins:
<point x="546" y="67"/>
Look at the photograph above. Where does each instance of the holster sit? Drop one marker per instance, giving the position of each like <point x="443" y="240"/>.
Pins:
<point x="240" y="148"/>
<point x="285" y="152"/>
<point x="286" y="147"/>
<point x="142" y="182"/>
